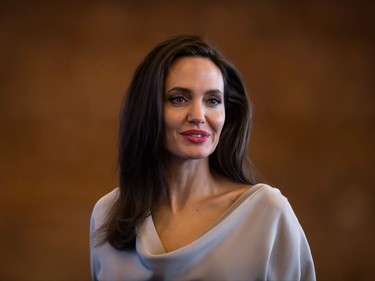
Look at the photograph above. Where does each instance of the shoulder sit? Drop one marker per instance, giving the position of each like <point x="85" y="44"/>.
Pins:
<point x="270" y="201"/>
<point x="268" y="209"/>
<point x="264" y="193"/>
<point x="289" y="252"/>
<point x="103" y="205"/>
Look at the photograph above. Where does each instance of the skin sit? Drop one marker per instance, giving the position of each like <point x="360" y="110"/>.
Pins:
<point x="193" y="99"/>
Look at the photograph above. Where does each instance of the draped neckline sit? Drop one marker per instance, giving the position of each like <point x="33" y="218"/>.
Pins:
<point x="150" y="244"/>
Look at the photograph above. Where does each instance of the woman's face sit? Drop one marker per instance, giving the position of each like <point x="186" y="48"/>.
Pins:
<point x="193" y="108"/>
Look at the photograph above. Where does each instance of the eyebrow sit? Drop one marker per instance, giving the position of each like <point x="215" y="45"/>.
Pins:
<point x="187" y="91"/>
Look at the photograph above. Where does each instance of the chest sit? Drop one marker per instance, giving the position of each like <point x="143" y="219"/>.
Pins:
<point x="177" y="230"/>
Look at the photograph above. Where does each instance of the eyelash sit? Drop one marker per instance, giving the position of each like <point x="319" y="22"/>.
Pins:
<point x="177" y="99"/>
<point x="180" y="99"/>
<point x="215" y="101"/>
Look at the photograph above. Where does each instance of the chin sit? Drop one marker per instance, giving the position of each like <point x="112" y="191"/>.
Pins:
<point x="189" y="153"/>
<point x="196" y="155"/>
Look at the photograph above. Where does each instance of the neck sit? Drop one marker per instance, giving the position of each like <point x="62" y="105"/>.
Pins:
<point x="188" y="180"/>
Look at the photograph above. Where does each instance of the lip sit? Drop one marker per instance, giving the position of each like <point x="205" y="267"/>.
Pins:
<point x="196" y="136"/>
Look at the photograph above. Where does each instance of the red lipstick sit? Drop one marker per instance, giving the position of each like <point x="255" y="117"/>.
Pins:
<point x="196" y="136"/>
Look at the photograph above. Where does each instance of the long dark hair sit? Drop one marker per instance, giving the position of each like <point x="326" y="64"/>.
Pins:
<point x="141" y="171"/>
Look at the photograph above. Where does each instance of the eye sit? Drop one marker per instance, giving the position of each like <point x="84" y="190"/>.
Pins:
<point x="214" y="101"/>
<point x="177" y="100"/>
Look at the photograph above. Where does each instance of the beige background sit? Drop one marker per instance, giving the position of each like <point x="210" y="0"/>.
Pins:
<point x="308" y="66"/>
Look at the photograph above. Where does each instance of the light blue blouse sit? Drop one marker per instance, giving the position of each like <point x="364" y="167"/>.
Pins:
<point x="257" y="238"/>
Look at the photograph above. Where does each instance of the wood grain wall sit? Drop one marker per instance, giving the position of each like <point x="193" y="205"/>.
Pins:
<point x="64" y="65"/>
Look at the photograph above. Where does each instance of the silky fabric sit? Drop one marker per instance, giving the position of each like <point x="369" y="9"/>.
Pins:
<point x="257" y="238"/>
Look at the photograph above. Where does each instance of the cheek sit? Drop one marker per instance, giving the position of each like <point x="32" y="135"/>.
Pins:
<point x="219" y="120"/>
<point x="171" y="122"/>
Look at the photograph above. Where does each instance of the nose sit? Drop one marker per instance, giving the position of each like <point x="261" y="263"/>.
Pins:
<point x="196" y="114"/>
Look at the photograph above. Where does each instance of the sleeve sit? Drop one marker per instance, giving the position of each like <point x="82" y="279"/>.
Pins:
<point x="97" y="218"/>
<point x="290" y="257"/>
<point x="94" y="264"/>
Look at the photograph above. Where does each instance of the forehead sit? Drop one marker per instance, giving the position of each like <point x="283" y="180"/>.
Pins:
<point x="184" y="62"/>
<point x="194" y="70"/>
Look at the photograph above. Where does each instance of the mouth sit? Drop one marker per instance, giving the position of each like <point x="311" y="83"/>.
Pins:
<point x="195" y="136"/>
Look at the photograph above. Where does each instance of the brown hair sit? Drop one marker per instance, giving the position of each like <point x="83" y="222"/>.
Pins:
<point x="141" y="170"/>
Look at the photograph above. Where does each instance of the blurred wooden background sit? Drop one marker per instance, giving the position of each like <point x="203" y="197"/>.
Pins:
<point x="309" y="70"/>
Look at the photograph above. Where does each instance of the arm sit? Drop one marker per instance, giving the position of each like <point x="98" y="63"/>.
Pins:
<point x="93" y="261"/>
<point x="290" y="257"/>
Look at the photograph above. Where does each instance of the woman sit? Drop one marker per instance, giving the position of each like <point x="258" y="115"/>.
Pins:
<point x="188" y="206"/>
